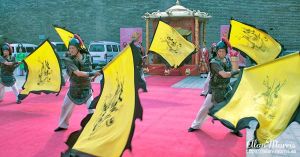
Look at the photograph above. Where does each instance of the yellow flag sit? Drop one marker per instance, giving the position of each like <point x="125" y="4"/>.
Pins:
<point x="65" y="35"/>
<point x="168" y="43"/>
<point x="255" y="43"/>
<point x="108" y="131"/>
<point x="44" y="72"/>
<point x="269" y="92"/>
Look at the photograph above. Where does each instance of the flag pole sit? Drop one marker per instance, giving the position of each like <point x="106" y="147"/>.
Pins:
<point x="147" y="40"/>
<point x="197" y="40"/>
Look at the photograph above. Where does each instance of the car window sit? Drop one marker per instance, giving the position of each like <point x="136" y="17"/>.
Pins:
<point x="29" y="49"/>
<point x="119" y="48"/>
<point x="115" y="48"/>
<point x="61" y="47"/>
<point x="108" y="48"/>
<point x="21" y="49"/>
<point x="97" y="48"/>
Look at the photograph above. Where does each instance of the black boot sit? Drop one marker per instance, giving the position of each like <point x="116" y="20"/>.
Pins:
<point x="237" y="133"/>
<point x="60" y="129"/>
<point x="192" y="129"/>
<point x="145" y="90"/>
<point x="19" y="101"/>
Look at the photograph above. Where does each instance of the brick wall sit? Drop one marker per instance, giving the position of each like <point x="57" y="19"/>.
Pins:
<point x="24" y="21"/>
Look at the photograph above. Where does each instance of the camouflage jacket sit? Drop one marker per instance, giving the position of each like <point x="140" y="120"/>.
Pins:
<point x="80" y="87"/>
<point x="7" y="71"/>
<point x="218" y="84"/>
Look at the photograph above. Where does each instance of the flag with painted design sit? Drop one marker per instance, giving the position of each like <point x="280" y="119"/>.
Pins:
<point x="110" y="129"/>
<point x="169" y="44"/>
<point x="268" y="93"/>
<point x="254" y="42"/>
<point x="43" y="71"/>
<point x="66" y="36"/>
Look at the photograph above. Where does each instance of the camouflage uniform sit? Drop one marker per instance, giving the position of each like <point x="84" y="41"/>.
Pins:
<point x="7" y="78"/>
<point x="217" y="87"/>
<point x="7" y="71"/>
<point x="218" y="84"/>
<point x="80" y="87"/>
<point x="80" y="90"/>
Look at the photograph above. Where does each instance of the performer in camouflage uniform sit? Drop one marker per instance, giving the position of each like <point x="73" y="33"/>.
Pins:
<point x="220" y="68"/>
<point x="79" y="68"/>
<point x="220" y="73"/>
<point x="8" y="64"/>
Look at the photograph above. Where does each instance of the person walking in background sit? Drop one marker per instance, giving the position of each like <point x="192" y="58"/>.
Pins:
<point x="65" y="76"/>
<point x="8" y="65"/>
<point x="211" y="55"/>
<point x="20" y="56"/>
<point x="140" y="61"/>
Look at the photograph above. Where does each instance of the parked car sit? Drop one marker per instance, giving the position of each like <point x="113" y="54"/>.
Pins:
<point x="22" y="48"/>
<point x="103" y="52"/>
<point x="61" y="50"/>
<point x="21" y="51"/>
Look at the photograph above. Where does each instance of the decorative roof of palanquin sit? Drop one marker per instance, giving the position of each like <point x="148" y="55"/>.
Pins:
<point x="177" y="11"/>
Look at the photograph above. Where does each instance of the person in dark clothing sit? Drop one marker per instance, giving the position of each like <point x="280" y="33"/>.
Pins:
<point x="141" y="53"/>
<point x="8" y="64"/>
<point x="211" y="55"/>
<point x="221" y="72"/>
<point x="79" y="68"/>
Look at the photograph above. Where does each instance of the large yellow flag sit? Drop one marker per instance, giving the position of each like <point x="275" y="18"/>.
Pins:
<point x="269" y="93"/>
<point x="255" y="43"/>
<point x="43" y="71"/>
<point x="168" y="43"/>
<point x="109" y="131"/>
<point x="65" y="35"/>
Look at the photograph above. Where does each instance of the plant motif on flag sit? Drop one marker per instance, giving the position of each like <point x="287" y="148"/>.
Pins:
<point x="112" y="104"/>
<point x="268" y="97"/>
<point x="173" y="45"/>
<point x="255" y="41"/>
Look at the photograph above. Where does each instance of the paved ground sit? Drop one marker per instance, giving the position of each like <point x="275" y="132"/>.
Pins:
<point x="190" y="82"/>
<point x="290" y="138"/>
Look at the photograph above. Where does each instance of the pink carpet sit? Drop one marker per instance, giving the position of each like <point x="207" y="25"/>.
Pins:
<point x="27" y="129"/>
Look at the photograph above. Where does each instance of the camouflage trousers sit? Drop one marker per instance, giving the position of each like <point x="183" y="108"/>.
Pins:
<point x="218" y="94"/>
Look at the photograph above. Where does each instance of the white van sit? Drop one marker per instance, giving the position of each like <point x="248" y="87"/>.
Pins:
<point x="21" y="51"/>
<point x="22" y="48"/>
<point x="61" y="51"/>
<point x="103" y="52"/>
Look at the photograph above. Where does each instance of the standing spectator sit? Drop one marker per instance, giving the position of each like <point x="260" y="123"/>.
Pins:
<point x="140" y="61"/>
<point x="211" y="55"/>
<point x="19" y="57"/>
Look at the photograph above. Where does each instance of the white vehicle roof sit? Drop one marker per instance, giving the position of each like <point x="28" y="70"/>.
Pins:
<point x="57" y="42"/>
<point x="103" y="42"/>
<point x="24" y="44"/>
